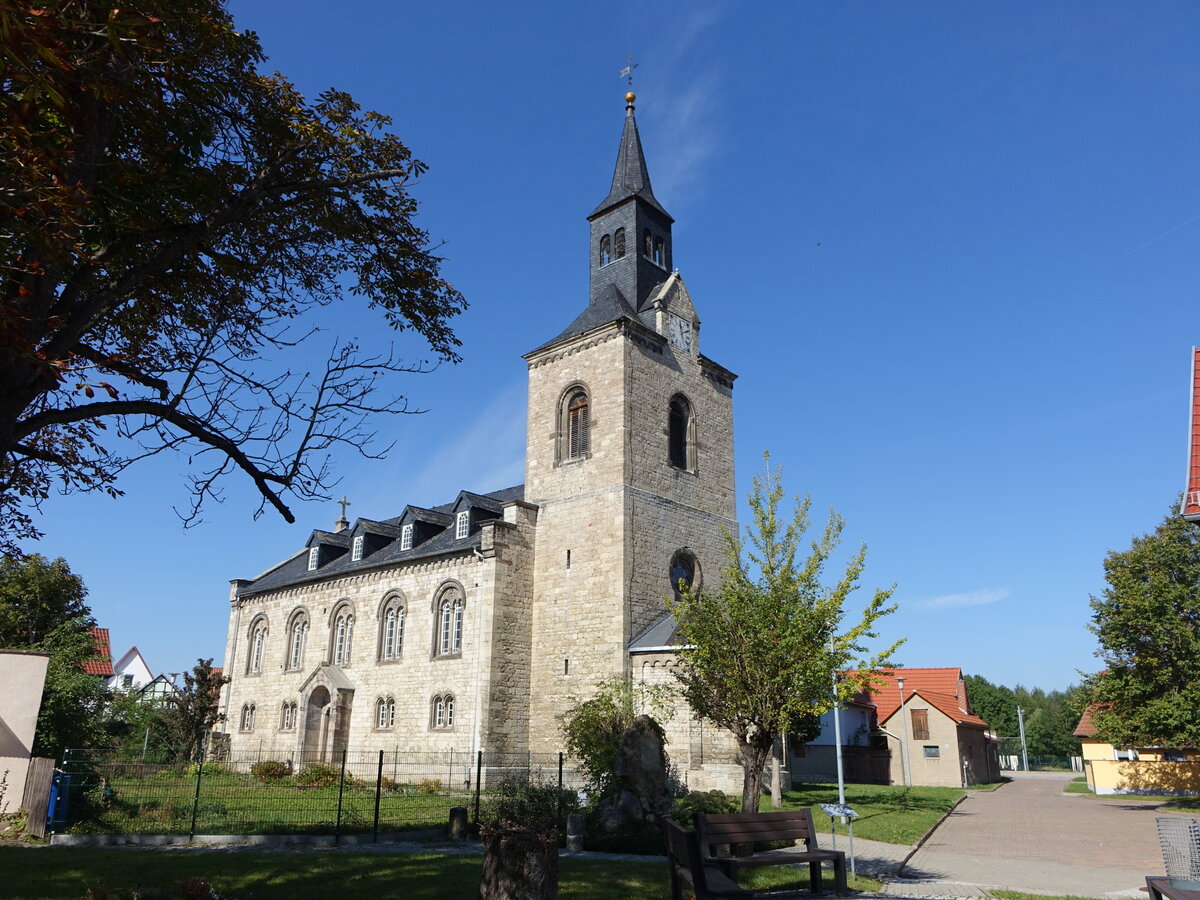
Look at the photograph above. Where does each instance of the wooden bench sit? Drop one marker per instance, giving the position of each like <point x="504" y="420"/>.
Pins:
<point x="715" y="829"/>
<point x="687" y="865"/>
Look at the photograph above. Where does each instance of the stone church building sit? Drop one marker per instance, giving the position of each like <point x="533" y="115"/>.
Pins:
<point x="470" y="625"/>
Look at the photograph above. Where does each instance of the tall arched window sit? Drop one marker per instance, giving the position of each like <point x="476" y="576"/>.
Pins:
<point x="449" y="621"/>
<point x="647" y="244"/>
<point x="385" y="712"/>
<point x="605" y="250"/>
<point x="574" y="424"/>
<point x="297" y="638"/>
<point x="391" y="629"/>
<point x="258" y="646"/>
<point x="342" y="634"/>
<point x="442" y="714"/>
<point x="660" y="254"/>
<point x="619" y="243"/>
<point x="247" y="722"/>
<point x="681" y="451"/>
<point x="287" y="718"/>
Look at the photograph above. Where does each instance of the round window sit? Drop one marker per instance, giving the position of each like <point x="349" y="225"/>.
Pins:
<point x="685" y="568"/>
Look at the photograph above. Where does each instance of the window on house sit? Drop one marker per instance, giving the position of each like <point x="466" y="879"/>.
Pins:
<point x="287" y="717"/>
<point x="619" y="244"/>
<point x="920" y="724"/>
<point x="443" y="711"/>
<point x="605" y="250"/>
<point x="385" y="712"/>
<point x="1174" y="756"/>
<point x="577" y="426"/>
<point x="247" y="722"/>
<point x="356" y="550"/>
<point x="297" y="638"/>
<point x="391" y="638"/>
<point x="126" y="681"/>
<point x="679" y="433"/>
<point x="313" y="554"/>
<point x="1128" y="754"/>
<point x="450" y="625"/>
<point x="406" y="537"/>
<point x="462" y="524"/>
<point x="933" y="751"/>
<point x="258" y="642"/>
<point x="343" y="633"/>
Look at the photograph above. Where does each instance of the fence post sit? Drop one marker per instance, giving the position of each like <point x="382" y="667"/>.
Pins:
<point x="196" y="798"/>
<point x="478" y="782"/>
<point x="337" y="828"/>
<point x="378" y="788"/>
<point x="560" y="789"/>
<point x="450" y="774"/>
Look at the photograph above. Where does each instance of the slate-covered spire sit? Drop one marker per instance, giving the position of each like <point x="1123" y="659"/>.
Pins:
<point x="630" y="176"/>
<point x="630" y="244"/>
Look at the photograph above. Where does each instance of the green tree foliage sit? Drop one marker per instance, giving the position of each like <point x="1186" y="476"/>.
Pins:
<point x="1050" y="716"/>
<point x="188" y="715"/>
<point x="593" y="728"/>
<point x="760" y="652"/>
<point x="169" y="214"/>
<point x="1148" y="624"/>
<point x="43" y="608"/>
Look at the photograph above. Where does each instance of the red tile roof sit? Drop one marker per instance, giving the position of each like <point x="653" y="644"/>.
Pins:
<point x="102" y="665"/>
<point x="948" y="705"/>
<point x="1191" y="495"/>
<point x="1086" y="727"/>
<point x="947" y="682"/>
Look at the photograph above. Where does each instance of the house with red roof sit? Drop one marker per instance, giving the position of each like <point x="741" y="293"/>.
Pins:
<point x="101" y="664"/>
<point x="1135" y="770"/>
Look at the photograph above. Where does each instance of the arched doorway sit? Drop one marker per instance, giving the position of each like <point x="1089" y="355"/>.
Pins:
<point x="316" y="725"/>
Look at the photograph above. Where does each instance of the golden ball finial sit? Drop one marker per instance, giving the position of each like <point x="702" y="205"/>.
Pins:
<point x="630" y="97"/>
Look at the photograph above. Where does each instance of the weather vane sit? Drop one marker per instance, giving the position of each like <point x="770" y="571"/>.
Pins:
<point x="627" y="72"/>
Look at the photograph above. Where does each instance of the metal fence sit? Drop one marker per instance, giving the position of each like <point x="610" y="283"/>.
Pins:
<point x="355" y="792"/>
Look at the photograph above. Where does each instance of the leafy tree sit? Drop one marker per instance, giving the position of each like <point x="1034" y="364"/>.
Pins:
<point x="43" y="608"/>
<point x="188" y="715"/>
<point x="169" y="215"/>
<point x="759" y="653"/>
<point x="1050" y="716"/>
<point x="1148" y="624"/>
<point x="593" y="728"/>
<point x="994" y="703"/>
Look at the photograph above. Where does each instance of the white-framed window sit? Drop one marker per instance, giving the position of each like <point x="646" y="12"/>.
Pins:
<point x="247" y="721"/>
<point x="391" y="641"/>
<point x="313" y="554"/>
<point x="450" y="626"/>
<point x="343" y="634"/>
<point x="443" y="711"/>
<point x="297" y="638"/>
<point x="385" y="712"/>
<point x="1121" y="754"/>
<point x="287" y="717"/>
<point x="406" y="537"/>
<point x="258" y="644"/>
<point x="356" y="548"/>
<point x="462" y="524"/>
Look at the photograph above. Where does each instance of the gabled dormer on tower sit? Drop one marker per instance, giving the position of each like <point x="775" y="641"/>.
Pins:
<point x="631" y="232"/>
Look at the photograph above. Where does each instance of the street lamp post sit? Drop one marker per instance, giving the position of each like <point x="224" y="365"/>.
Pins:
<point x="904" y="722"/>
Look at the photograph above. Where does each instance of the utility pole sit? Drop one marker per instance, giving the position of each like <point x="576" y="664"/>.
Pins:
<point x="1024" y="749"/>
<point x="904" y="721"/>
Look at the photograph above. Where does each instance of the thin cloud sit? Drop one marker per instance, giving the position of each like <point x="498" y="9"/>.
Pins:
<point x="981" y="597"/>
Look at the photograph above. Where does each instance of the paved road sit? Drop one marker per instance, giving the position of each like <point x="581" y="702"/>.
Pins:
<point x="1029" y="835"/>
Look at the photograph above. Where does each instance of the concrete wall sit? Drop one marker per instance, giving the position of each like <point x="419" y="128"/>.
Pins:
<point x="1150" y="773"/>
<point x="23" y="676"/>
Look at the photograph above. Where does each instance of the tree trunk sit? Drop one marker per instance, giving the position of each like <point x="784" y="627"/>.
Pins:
<point x="519" y="864"/>
<point x="754" y="762"/>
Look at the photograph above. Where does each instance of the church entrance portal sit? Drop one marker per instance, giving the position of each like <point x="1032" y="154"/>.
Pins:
<point x="317" y="725"/>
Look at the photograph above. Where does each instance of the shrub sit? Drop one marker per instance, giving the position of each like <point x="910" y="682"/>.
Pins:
<point x="270" y="770"/>
<point x="430" y="786"/>
<point x="318" y="775"/>
<point x="540" y="806"/>
<point x="685" y="808"/>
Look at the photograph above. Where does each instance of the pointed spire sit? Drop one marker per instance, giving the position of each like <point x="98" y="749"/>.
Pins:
<point x="631" y="178"/>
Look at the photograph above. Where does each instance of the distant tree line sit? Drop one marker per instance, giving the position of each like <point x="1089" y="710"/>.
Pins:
<point x="1050" y="716"/>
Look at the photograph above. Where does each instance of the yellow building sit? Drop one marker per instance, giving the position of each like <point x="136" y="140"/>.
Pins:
<point x="1135" y="770"/>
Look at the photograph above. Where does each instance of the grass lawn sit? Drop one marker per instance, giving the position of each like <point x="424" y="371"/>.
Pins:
<point x="891" y="813"/>
<point x="1169" y="801"/>
<point x="65" y="873"/>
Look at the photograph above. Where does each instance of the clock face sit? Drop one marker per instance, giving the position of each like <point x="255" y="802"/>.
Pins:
<point x="679" y="333"/>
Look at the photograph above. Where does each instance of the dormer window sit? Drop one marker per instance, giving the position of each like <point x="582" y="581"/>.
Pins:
<point x="462" y="524"/>
<point x="406" y="537"/>
<point x="619" y="244"/>
<point x="605" y="250"/>
<point x="356" y="551"/>
<point x="313" y="554"/>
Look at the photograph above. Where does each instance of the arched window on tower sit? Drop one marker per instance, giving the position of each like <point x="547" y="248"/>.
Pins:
<point x="681" y="434"/>
<point x="647" y="244"/>
<point x="574" y="425"/>
<point x="605" y="250"/>
<point x="660" y="256"/>
<point x="619" y="243"/>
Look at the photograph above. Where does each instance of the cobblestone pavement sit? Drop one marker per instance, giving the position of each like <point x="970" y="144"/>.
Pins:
<point x="1029" y="835"/>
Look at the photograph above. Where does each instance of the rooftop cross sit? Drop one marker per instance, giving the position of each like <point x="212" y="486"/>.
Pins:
<point x="344" y="503"/>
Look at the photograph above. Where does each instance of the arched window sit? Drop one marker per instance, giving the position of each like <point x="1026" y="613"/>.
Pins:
<point x="574" y="424"/>
<point x="258" y="646"/>
<point x="287" y="718"/>
<point x="247" y="722"/>
<point x="341" y="634"/>
<point x="684" y="567"/>
<point x="605" y="250"/>
<point x="647" y="244"/>
<point x="449" y="622"/>
<point x="297" y="638"/>
<point x="660" y="256"/>
<point x="681" y="450"/>
<point x="442" y="714"/>
<point x="391" y="629"/>
<point x="619" y="244"/>
<point x="385" y="712"/>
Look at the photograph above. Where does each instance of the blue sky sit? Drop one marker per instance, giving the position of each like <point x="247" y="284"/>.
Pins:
<point x="950" y="249"/>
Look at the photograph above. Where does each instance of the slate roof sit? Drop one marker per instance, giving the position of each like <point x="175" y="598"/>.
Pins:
<point x="103" y="665"/>
<point x="294" y="570"/>
<point x="631" y="178"/>
<point x="609" y="306"/>
<point x="663" y="633"/>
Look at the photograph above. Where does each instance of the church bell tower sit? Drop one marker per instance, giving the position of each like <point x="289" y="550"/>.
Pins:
<point x="629" y="453"/>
